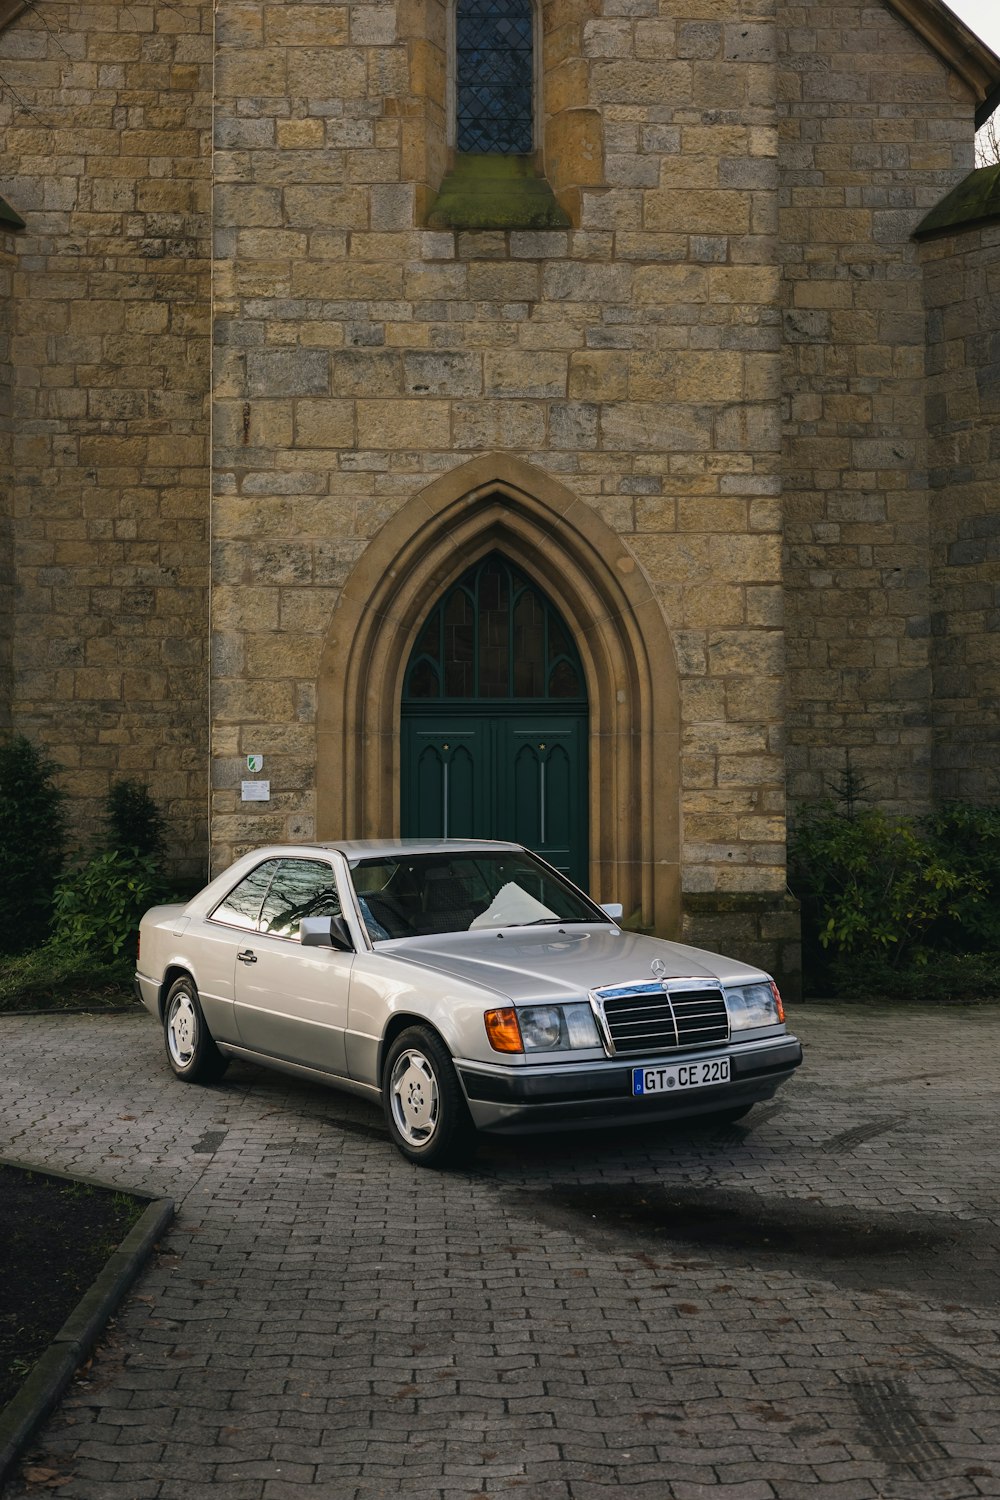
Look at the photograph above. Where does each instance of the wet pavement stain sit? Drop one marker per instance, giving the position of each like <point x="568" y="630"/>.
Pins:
<point x="897" y="1251"/>
<point x="209" y="1142"/>
<point x="718" y="1220"/>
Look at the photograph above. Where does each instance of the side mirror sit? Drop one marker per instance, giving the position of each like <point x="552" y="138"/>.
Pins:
<point x="614" y="909"/>
<point x="325" y="932"/>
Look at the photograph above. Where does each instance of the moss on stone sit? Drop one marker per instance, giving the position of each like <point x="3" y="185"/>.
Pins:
<point x="495" y="192"/>
<point x="975" y="201"/>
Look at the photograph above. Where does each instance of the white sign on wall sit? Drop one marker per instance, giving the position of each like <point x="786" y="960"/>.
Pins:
<point x="256" y="791"/>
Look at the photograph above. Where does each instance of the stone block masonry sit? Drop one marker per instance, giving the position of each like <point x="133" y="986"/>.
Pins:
<point x="106" y="156"/>
<point x="720" y="368"/>
<point x="634" y="356"/>
<point x="7" y="264"/>
<point x="875" y="130"/>
<point x="962" y="295"/>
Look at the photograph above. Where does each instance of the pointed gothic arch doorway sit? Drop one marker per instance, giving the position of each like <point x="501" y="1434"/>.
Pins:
<point x="494" y="720"/>
<point x="498" y="503"/>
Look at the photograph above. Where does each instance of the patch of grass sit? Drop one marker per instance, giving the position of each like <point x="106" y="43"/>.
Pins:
<point x="49" y="979"/>
<point x="57" y="1235"/>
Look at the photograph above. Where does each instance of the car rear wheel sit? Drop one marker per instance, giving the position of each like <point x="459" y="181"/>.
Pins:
<point x="191" y="1051"/>
<point x="424" y="1106"/>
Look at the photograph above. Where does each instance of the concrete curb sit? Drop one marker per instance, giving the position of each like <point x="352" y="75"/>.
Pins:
<point x="40" y="1393"/>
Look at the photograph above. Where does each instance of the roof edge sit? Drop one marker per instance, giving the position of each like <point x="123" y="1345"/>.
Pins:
<point x="973" y="201"/>
<point x="955" y="42"/>
<point x="9" y="217"/>
<point x="959" y="46"/>
<point x="9" y="9"/>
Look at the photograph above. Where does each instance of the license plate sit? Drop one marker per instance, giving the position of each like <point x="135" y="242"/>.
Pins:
<point x="696" y="1075"/>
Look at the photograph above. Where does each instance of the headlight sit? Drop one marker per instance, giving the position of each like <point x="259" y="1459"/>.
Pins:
<point x="543" y="1028"/>
<point x="754" y="1005"/>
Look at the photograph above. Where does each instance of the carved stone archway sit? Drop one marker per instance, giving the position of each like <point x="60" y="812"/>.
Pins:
<point x="500" y="503"/>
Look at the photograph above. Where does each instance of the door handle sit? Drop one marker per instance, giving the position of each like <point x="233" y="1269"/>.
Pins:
<point x="248" y="956"/>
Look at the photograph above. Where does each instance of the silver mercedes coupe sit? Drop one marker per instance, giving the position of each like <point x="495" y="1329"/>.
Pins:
<point x="463" y="984"/>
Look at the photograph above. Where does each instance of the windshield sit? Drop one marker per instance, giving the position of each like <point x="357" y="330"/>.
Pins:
<point x="414" y="895"/>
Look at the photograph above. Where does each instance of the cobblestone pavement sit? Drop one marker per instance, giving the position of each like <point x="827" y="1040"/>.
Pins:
<point x="806" y="1305"/>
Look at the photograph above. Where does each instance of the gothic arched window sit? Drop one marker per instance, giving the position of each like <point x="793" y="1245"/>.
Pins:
<point x="494" y="635"/>
<point x="494" y="76"/>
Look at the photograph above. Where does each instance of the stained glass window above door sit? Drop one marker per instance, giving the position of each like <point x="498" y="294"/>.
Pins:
<point x="494" y="635"/>
<point x="494" y="76"/>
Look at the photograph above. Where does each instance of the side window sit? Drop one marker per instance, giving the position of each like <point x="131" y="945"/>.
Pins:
<point x="301" y="888"/>
<point x="494" y="76"/>
<point x="241" y="908"/>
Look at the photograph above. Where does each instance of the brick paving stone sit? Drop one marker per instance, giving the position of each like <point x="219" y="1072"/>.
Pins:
<point x="324" y="1317"/>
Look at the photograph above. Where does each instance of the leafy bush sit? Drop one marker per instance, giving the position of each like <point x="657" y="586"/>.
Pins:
<point x="969" y="838"/>
<point x="133" y="820"/>
<point x="898" y="907"/>
<point x="32" y="843"/>
<point x="97" y="907"/>
<point x="877" y="885"/>
<point x="943" y="978"/>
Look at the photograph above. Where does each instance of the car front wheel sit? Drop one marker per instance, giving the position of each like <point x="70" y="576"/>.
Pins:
<point x="424" y="1106"/>
<point x="191" y="1051"/>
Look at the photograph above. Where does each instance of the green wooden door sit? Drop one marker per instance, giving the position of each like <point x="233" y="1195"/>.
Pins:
<point x="447" y="779"/>
<point x="494" y="722"/>
<point x="541" y="793"/>
<point x="513" y="776"/>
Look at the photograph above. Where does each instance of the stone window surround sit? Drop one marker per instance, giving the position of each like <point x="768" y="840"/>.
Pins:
<point x="497" y="502"/>
<point x="570" y="141"/>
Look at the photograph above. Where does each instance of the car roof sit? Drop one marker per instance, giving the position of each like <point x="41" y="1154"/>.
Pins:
<point x="382" y="848"/>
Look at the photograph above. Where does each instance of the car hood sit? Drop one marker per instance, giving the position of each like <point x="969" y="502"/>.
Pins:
<point x="545" y="963"/>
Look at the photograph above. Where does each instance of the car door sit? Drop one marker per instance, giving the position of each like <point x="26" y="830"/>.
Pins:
<point x="214" y="942"/>
<point x="291" y="1002"/>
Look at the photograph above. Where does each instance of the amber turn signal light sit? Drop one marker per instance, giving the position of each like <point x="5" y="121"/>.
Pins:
<point x="777" y="1001"/>
<point x="503" y="1031"/>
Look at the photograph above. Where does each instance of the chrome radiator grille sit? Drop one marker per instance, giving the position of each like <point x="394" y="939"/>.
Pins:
<point x="647" y="1017"/>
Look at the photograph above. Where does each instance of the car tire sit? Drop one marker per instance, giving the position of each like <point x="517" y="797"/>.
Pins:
<point x="425" y="1108"/>
<point x="191" y="1051"/>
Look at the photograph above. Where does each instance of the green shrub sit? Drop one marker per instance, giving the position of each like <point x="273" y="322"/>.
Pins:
<point x="942" y="979"/>
<point x="969" y="839"/>
<point x="97" y="907"/>
<point x="32" y="843"/>
<point x="873" y="888"/>
<point x="133" y="820"/>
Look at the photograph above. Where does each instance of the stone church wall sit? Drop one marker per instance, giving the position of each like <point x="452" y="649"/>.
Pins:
<point x="875" y="131"/>
<point x="742" y="190"/>
<point x="634" y="356"/>
<point x="7" y="263"/>
<point x="107" y="111"/>
<point x="962" y="294"/>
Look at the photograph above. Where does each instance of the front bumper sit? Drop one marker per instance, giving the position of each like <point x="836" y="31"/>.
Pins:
<point x="537" y="1098"/>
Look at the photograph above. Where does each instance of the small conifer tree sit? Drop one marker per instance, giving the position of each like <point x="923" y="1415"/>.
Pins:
<point x="32" y="843"/>
<point x="133" y="820"/>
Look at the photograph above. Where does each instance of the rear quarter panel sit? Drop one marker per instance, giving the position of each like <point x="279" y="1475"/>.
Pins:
<point x="172" y="943"/>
